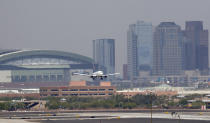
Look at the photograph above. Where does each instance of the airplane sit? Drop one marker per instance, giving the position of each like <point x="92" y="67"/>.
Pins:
<point x="97" y="74"/>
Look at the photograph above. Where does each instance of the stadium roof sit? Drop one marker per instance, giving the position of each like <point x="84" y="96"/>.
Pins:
<point x="21" y="54"/>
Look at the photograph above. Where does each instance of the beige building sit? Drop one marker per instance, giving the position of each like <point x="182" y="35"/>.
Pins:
<point x="79" y="88"/>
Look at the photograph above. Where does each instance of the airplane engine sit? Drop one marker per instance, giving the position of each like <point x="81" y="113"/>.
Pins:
<point x="92" y="77"/>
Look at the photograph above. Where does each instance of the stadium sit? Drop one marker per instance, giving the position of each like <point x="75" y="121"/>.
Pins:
<point x="35" y="68"/>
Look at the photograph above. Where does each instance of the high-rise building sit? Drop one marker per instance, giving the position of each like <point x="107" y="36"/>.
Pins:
<point x="125" y="72"/>
<point x="132" y="60"/>
<point x="144" y="44"/>
<point x="167" y="49"/>
<point x="196" y="52"/>
<point x="104" y="54"/>
<point x="139" y="47"/>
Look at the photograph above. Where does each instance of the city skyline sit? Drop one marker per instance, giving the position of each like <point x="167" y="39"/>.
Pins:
<point x="60" y="25"/>
<point x="185" y="40"/>
<point x="80" y="60"/>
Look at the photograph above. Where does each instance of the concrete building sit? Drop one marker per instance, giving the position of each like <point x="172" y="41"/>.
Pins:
<point x="197" y="46"/>
<point x="139" y="46"/>
<point x="79" y="88"/>
<point x="168" y="49"/>
<point x="104" y="54"/>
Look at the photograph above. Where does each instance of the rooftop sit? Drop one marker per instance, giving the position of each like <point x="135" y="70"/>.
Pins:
<point x="167" y="24"/>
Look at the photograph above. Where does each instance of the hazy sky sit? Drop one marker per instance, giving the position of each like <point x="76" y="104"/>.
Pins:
<point x="71" y="25"/>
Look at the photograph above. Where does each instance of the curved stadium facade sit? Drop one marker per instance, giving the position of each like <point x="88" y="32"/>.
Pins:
<point x="41" y="66"/>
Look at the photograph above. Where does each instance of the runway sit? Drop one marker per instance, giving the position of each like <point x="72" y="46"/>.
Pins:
<point x="126" y="120"/>
<point x="107" y="117"/>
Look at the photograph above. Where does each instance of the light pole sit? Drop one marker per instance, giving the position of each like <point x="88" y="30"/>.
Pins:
<point x="151" y="107"/>
<point x="179" y="118"/>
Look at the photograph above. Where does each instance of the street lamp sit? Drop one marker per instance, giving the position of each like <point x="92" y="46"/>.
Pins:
<point x="151" y="106"/>
<point x="179" y="118"/>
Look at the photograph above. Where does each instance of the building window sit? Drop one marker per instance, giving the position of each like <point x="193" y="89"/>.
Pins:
<point x="54" y="95"/>
<point x="46" y="78"/>
<point x="38" y="78"/>
<point x="17" y="78"/>
<point x="65" y="90"/>
<point x="83" y="89"/>
<point x="73" y="94"/>
<point x="83" y="94"/>
<point x="102" y="94"/>
<point x="102" y="89"/>
<point x="52" y="77"/>
<point x="31" y="78"/>
<point x="93" y="89"/>
<point x="23" y="78"/>
<point x="44" y="90"/>
<point x="74" y="90"/>
<point x="111" y="89"/>
<point x="60" y="77"/>
<point x="54" y="89"/>
<point x="64" y="94"/>
<point x="43" y="95"/>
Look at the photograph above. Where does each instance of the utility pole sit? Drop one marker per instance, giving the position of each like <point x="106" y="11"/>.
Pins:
<point x="179" y="118"/>
<point x="151" y="107"/>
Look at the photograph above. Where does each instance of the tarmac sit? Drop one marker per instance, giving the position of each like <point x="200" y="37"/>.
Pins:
<point x="105" y="117"/>
<point x="127" y="120"/>
<point x="16" y="121"/>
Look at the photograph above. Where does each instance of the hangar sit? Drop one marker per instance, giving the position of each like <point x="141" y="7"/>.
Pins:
<point x="42" y="66"/>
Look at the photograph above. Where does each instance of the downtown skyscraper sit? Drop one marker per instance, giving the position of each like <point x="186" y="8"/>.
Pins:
<point x="104" y="54"/>
<point x="196" y="46"/>
<point x="168" y="49"/>
<point x="139" y="48"/>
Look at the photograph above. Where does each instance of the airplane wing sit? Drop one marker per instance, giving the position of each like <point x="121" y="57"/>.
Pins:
<point x="82" y="74"/>
<point x="112" y="74"/>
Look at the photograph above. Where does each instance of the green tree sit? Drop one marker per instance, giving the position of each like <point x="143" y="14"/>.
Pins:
<point x="197" y="104"/>
<point x="183" y="102"/>
<point x="129" y="105"/>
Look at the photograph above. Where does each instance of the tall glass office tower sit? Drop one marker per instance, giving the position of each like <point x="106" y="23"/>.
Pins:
<point x="168" y="49"/>
<point x="144" y="44"/>
<point x="197" y="46"/>
<point x="104" y="54"/>
<point x="139" y="48"/>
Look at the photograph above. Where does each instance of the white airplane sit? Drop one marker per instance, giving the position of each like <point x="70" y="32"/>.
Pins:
<point x="97" y="74"/>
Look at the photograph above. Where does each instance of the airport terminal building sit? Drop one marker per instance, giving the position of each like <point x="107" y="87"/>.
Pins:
<point x="35" y="66"/>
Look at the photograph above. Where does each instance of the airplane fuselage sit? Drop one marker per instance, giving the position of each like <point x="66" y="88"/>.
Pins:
<point x="98" y="73"/>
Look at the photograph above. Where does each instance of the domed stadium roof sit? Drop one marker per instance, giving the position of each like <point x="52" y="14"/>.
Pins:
<point x="13" y="55"/>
